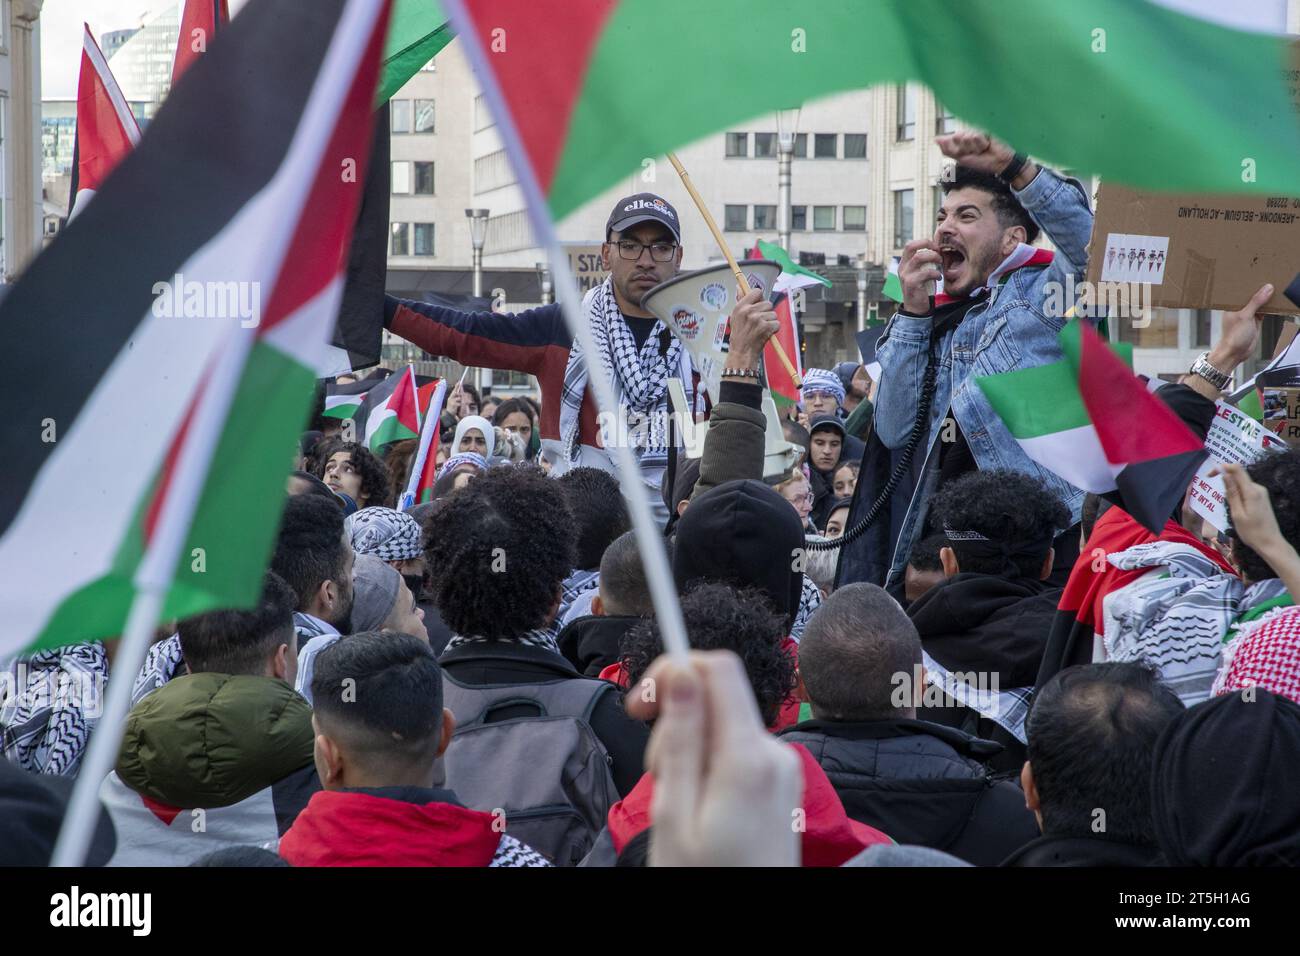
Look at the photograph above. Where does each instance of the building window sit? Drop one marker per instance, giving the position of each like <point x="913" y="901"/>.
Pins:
<point x="1201" y="329"/>
<point x="764" y="217"/>
<point x="482" y="115"/>
<point x="945" y="122"/>
<point x="737" y="145"/>
<point x="800" y="145"/>
<point x="855" y="145"/>
<point x="423" y="238"/>
<point x="823" y="218"/>
<point x="904" y="217"/>
<point x="735" y="218"/>
<point x="798" y="218"/>
<point x="906" y="129"/>
<point x="825" y="145"/>
<point x="855" y="218"/>
<point x="424" y="116"/>
<point x="764" y="145"/>
<point x="399" y="116"/>
<point x="400" y="242"/>
<point x="492" y="172"/>
<point x="423" y="185"/>
<point x="401" y="178"/>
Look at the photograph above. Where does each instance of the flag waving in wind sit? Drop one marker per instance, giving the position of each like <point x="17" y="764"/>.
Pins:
<point x="390" y="411"/>
<point x="1093" y="422"/>
<point x="187" y="497"/>
<point x="106" y="127"/>
<point x="199" y="24"/>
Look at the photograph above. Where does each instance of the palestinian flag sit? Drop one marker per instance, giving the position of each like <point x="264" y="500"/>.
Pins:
<point x="893" y="287"/>
<point x="424" y="469"/>
<point x="390" y="411"/>
<point x="90" y="514"/>
<point x="200" y="22"/>
<point x="416" y="34"/>
<point x="793" y="275"/>
<point x="1077" y="628"/>
<point x="106" y="127"/>
<point x="1159" y="98"/>
<point x="1092" y="421"/>
<point x="344" y="401"/>
<point x="779" y="383"/>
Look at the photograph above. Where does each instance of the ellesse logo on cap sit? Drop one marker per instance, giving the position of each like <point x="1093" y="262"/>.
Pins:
<point x="658" y="206"/>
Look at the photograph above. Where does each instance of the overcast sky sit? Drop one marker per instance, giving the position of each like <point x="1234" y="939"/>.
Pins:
<point x="61" y="22"/>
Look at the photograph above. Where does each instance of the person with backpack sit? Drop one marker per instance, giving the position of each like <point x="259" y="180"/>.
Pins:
<point x="549" y="747"/>
<point x="379" y="727"/>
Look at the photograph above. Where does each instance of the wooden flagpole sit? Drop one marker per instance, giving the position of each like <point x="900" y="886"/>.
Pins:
<point x="731" y="261"/>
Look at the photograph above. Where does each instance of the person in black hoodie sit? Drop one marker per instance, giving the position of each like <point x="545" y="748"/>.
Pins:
<point x="1092" y="741"/>
<point x="1224" y="782"/>
<point x="498" y="552"/>
<point x="590" y="643"/>
<point x="920" y="782"/>
<point x="984" y="628"/>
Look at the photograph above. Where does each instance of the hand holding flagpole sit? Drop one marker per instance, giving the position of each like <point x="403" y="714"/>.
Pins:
<point x="731" y="260"/>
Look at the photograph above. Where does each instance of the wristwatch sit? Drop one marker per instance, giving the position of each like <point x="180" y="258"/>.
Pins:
<point x="1202" y="367"/>
<point x="1013" y="168"/>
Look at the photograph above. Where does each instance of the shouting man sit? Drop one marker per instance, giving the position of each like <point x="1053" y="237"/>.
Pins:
<point x="990" y="316"/>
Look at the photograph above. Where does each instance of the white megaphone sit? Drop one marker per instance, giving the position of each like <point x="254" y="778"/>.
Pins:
<point x="696" y="306"/>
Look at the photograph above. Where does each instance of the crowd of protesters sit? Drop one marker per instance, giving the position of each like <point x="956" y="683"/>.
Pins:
<point x="1036" y="679"/>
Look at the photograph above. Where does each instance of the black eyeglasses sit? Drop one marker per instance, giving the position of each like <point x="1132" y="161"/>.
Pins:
<point x="659" y="251"/>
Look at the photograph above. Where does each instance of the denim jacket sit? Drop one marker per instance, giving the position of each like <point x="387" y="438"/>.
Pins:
<point x="1010" y="330"/>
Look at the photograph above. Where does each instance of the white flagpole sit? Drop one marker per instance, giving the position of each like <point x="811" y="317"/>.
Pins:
<point x="649" y="536"/>
<point x="193" y="462"/>
<point x="427" y="431"/>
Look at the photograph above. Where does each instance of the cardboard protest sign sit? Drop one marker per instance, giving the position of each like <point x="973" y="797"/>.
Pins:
<point x="1234" y="438"/>
<point x="1197" y="251"/>
<point x="585" y="264"/>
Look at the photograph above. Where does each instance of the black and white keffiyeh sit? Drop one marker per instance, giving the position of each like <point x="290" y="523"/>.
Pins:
<point x="639" y="376"/>
<point x="543" y="637"/>
<point x="387" y="534"/>
<point x="1177" y="617"/>
<point x="50" y="701"/>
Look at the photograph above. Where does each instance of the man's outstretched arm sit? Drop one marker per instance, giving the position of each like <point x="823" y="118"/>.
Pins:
<point x="514" y="341"/>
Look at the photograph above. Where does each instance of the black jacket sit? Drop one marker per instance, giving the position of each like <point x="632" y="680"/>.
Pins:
<point x="590" y="643"/>
<point x="992" y="626"/>
<point x="506" y="662"/>
<point x="1082" y="851"/>
<point x="922" y="784"/>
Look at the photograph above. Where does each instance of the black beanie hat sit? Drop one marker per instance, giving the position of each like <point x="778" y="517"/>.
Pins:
<point x="1226" y="783"/>
<point x="745" y="534"/>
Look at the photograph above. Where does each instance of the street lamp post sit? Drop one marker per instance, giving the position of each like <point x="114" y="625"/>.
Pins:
<point x="862" y="293"/>
<point x="544" y="277"/>
<point x="477" y="234"/>
<point x="787" y="123"/>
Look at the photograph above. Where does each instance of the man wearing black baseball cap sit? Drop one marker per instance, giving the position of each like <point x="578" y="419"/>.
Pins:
<point x="642" y="248"/>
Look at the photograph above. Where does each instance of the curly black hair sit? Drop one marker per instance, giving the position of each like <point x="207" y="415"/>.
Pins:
<point x="1004" y="506"/>
<point x="721" y="617"/>
<point x="1280" y="474"/>
<point x="598" y="508"/>
<point x="375" y="483"/>
<point x="498" y="552"/>
<point x="1005" y="204"/>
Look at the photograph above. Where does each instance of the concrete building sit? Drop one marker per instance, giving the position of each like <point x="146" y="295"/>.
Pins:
<point x="448" y="156"/>
<point x="22" y="211"/>
<point x="142" y="61"/>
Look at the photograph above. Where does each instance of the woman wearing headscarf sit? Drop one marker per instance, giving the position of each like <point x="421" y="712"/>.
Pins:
<point x="474" y="434"/>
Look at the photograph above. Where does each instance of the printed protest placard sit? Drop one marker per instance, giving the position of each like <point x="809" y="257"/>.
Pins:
<point x="1234" y="438"/>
